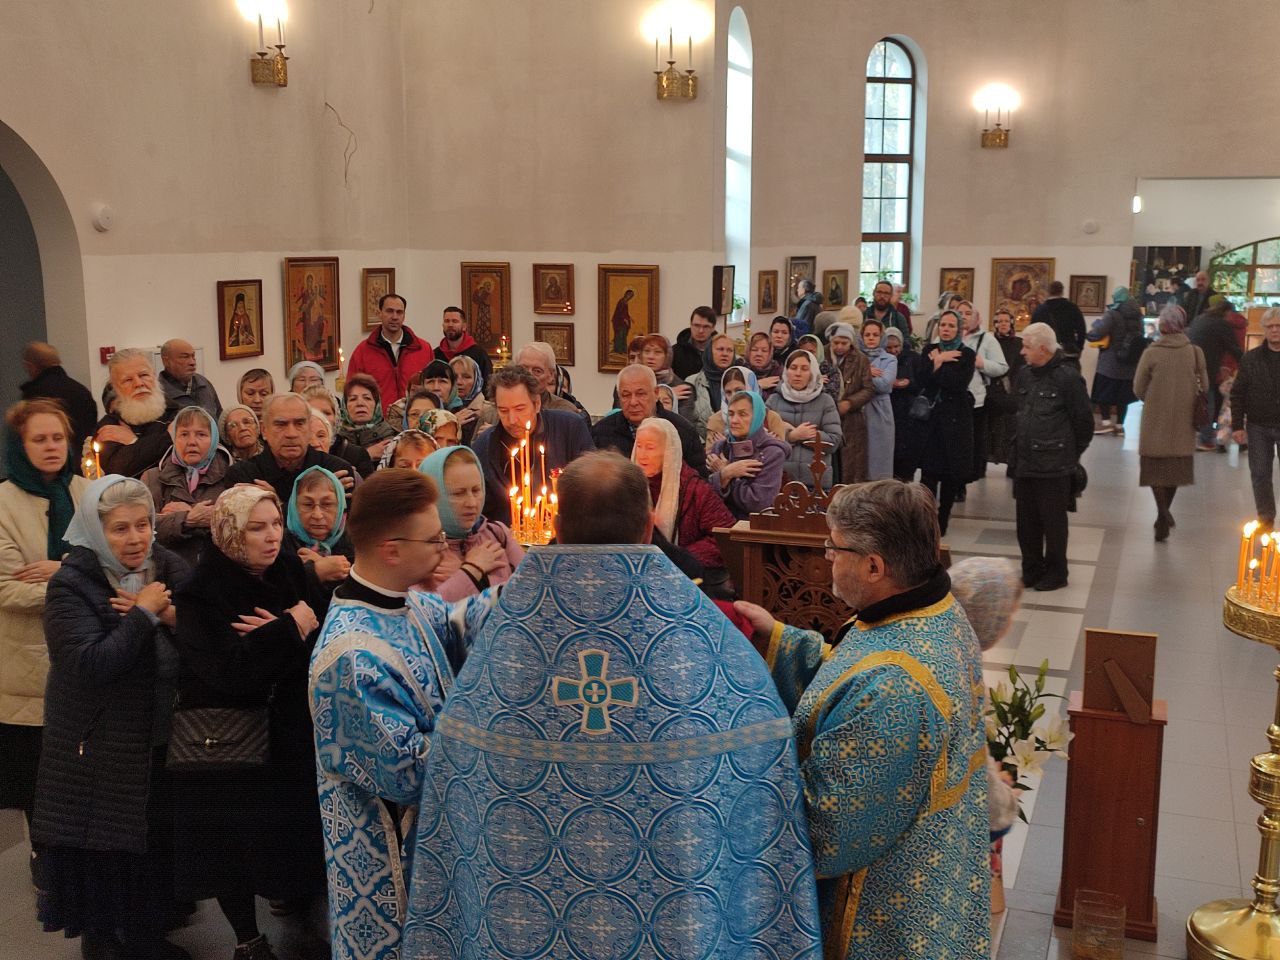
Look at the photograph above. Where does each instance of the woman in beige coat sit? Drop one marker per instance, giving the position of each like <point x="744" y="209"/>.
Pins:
<point x="1169" y="377"/>
<point x="42" y="487"/>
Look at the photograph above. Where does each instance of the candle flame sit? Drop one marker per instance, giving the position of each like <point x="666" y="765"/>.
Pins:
<point x="1253" y="564"/>
<point x="1251" y="528"/>
<point x="96" y="446"/>
<point x="1264" y="539"/>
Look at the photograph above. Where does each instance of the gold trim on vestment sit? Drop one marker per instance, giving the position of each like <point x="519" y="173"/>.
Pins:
<point x="932" y="610"/>
<point x="775" y="642"/>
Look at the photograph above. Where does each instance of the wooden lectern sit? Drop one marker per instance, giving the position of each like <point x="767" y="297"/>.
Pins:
<point x="1113" y="780"/>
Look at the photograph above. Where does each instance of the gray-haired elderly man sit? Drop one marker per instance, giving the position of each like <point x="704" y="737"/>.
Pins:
<point x="134" y="438"/>
<point x="286" y="437"/>
<point x="1055" y="425"/>
<point x="889" y="731"/>
<point x="539" y="358"/>
<point x="638" y="399"/>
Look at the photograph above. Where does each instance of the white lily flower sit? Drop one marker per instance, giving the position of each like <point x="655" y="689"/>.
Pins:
<point x="1002" y="692"/>
<point x="1055" y="735"/>
<point x="1028" y="759"/>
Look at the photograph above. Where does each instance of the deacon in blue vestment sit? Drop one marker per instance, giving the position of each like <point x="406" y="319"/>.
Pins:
<point x="379" y="675"/>
<point x="613" y="774"/>
<point x="888" y="722"/>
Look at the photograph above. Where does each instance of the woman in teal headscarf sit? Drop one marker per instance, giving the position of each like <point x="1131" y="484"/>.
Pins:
<point x="480" y="552"/>
<point x="746" y="466"/>
<point x="101" y="858"/>
<point x="36" y="506"/>
<point x="735" y="380"/>
<point x="187" y="481"/>
<point x="316" y="525"/>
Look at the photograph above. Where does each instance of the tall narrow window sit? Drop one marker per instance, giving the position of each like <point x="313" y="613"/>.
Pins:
<point x="737" y="154"/>
<point x="888" y="141"/>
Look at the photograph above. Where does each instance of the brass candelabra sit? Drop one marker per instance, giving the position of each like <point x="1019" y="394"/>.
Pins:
<point x="1238" y="929"/>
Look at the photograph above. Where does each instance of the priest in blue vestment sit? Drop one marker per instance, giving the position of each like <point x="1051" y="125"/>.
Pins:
<point x="888" y="723"/>
<point x="613" y="774"/>
<point x="379" y="675"/>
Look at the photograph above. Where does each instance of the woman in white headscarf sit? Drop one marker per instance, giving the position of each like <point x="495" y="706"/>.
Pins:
<point x="247" y="621"/>
<point x="100" y="836"/>
<point x="809" y="413"/>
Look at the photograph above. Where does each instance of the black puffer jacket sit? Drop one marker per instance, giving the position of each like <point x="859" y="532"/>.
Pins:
<point x="1055" y="422"/>
<point x="1255" y="396"/>
<point x="107" y="676"/>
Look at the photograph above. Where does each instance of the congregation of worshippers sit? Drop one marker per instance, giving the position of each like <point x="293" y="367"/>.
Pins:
<point x="287" y="647"/>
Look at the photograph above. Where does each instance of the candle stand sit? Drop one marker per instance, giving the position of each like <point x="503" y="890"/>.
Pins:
<point x="1239" y="929"/>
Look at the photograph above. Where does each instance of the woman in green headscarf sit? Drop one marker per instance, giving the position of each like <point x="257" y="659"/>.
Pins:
<point x="480" y="552"/>
<point x="316" y="525"/>
<point x="35" y="507"/>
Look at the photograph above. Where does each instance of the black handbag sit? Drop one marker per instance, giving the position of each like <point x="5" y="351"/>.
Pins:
<point x="921" y="408"/>
<point x="219" y="738"/>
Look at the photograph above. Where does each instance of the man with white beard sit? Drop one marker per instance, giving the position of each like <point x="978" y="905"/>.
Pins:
<point x="133" y="438"/>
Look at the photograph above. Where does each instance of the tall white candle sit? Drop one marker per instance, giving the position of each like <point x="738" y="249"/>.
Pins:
<point x="280" y="31"/>
<point x="691" y="52"/>
<point x="262" y="43"/>
<point x="655" y="54"/>
<point x="671" y="43"/>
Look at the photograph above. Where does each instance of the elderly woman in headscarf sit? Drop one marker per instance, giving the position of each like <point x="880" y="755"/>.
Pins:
<point x="879" y="411"/>
<point x="858" y="390"/>
<point x="442" y="427"/>
<point x="473" y="410"/>
<point x="656" y="354"/>
<point x="325" y="405"/>
<point x="686" y="508"/>
<point x="666" y="397"/>
<point x="100" y="828"/>
<point x="832" y="382"/>
<point x="36" y="505"/>
<point x="989" y="589"/>
<point x="734" y="380"/>
<point x="1171" y="374"/>
<point x="187" y="482"/>
<point x="480" y="552"/>
<point x="946" y="438"/>
<point x="809" y="412"/>
<point x="760" y="361"/>
<point x="240" y="431"/>
<point x="247" y="620"/>
<point x="746" y="466"/>
<point x="362" y="420"/>
<point x="407" y="449"/>
<point x="316" y="525"/>
<point x="305" y="374"/>
<point x="717" y="357"/>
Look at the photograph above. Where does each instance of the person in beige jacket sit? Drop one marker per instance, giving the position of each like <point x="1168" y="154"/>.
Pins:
<point x="42" y="486"/>
<point x="1169" y="377"/>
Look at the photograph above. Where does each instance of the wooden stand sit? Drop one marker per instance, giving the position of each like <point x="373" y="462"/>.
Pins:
<point x="1113" y="783"/>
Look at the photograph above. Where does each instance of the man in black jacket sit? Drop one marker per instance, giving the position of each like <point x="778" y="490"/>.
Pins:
<point x="135" y="437"/>
<point x="1066" y="320"/>
<point x="286" y="437"/>
<point x="686" y="355"/>
<point x="563" y="437"/>
<point x="1197" y="300"/>
<point x="48" y="379"/>
<point x="1214" y="336"/>
<point x="1055" y="425"/>
<point x="1255" y="414"/>
<point x="638" y="397"/>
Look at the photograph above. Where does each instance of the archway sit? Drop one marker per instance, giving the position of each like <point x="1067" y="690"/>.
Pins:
<point x="61" y="267"/>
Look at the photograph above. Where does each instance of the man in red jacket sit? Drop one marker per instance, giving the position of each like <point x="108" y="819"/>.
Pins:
<point x="392" y="355"/>
<point x="458" y="340"/>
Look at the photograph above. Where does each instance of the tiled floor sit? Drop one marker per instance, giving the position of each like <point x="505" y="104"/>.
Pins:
<point x="1219" y="688"/>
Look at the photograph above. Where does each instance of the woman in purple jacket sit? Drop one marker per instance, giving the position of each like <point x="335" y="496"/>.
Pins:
<point x="746" y="466"/>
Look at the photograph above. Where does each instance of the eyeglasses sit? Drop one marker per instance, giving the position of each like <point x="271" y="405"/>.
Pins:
<point x="439" y="540"/>
<point x="834" y="548"/>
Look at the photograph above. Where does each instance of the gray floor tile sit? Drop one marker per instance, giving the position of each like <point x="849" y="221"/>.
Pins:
<point x="1195" y="791"/>
<point x="1198" y="849"/>
<point x="1026" y="936"/>
<point x="1193" y="741"/>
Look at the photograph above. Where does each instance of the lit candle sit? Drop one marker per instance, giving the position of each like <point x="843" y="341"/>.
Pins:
<point x="262" y="44"/>
<point x="1263" y="567"/>
<point x="97" y="461"/>
<point x="1246" y="543"/>
<point x="1253" y="584"/>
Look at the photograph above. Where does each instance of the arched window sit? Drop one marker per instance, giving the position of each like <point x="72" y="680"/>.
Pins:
<point x="737" y="153"/>
<point x="888" y="141"/>
<point x="1249" y="275"/>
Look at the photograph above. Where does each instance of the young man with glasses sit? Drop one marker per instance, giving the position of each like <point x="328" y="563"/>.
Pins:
<point x="379" y="675"/>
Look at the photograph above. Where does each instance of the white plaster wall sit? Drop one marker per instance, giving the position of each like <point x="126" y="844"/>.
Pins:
<point x="1204" y="212"/>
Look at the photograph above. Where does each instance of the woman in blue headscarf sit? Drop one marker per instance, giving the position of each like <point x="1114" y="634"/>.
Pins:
<point x="480" y="552"/>
<point x="36" y="506"/>
<point x="186" y="483"/>
<point x="746" y="466"/>
<point x="473" y="410"/>
<point x="735" y="380"/>
<point x="316" y="525"/>
<point x="98" y="832"/>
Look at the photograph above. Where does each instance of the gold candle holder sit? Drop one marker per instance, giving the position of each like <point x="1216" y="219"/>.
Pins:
<point x="1238" y="929"/>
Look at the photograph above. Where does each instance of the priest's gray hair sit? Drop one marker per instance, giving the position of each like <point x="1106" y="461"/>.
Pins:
<point x="896" y="521"/>
<point x="125" y="355"/>
<point x="1040" y="335"/>
<point x="125" y="493"/>
<point x="276" y="398"/>
<point x="638" y="370"/>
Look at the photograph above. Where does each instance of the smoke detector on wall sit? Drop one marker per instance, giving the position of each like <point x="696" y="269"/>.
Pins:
<point x="1090" y="226"/>
<point x="103" y="217"/>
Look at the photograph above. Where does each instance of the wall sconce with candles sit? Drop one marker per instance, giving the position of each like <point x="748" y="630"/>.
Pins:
<point x="264" y="69"/>
<point x="670" y="19"/>
<point x="1000" y="99"/>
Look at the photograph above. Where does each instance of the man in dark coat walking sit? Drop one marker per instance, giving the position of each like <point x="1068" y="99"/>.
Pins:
<point x="1197" y="301"/>
<point x="1055" y="425"/>
<point x="48" y="379"/>
<point x="1211" y="332"/>
<point x="1255" y="414"/>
